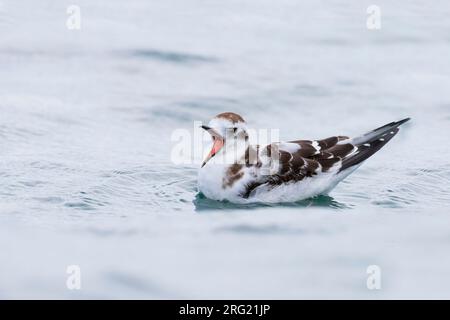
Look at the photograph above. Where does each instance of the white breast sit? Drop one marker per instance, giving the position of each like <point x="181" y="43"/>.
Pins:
<point x="210" y="180"/>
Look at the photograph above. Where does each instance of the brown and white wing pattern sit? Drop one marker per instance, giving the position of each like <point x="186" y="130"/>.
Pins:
<point x="297" y="160"/>
<point x="306" y="158"/>
<point x="302" y="159"/>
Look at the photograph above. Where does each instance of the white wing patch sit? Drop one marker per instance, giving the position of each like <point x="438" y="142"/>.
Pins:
<point x="289" y="147"/>
<point x="316" y="146"/>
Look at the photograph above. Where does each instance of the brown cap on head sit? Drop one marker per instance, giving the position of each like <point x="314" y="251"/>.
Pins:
<point x="231" y="116"/>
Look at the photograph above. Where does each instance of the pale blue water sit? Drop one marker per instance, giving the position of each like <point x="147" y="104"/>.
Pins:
<point x="86" y="119"/>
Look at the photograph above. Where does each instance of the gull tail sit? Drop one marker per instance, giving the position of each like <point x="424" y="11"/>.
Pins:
<point x="370" y="143"/>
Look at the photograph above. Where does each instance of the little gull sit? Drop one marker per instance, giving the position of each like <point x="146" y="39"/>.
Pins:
<point x="289" y="171"/>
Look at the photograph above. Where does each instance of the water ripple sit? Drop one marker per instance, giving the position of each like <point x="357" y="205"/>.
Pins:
<point x="170" y="56"/>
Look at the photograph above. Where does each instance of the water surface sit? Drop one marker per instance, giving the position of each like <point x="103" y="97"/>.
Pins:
<point x="86" y="119"/>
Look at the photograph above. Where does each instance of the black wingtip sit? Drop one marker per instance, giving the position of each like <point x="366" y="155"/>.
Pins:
<point x="398" y="123"/>
<point x="371" y="142"/>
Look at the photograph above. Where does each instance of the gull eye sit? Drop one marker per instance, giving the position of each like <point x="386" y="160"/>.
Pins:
<point x="234" y="129"/>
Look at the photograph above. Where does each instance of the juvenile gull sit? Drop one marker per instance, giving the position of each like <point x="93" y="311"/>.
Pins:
<point x="284" y="171"/>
